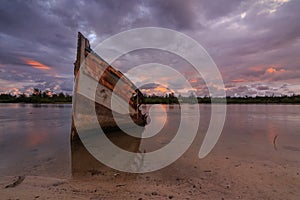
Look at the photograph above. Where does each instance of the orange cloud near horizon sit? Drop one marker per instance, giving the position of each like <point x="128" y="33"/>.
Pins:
<point x="193" y="80"/>
<point x="273" y="70"/>
<point x="240" y="80"/>
<point x="35" y="64"/>
<point x="257" y="68"/>
<point x="159" y="90"/>
<point x="270" y="69"/>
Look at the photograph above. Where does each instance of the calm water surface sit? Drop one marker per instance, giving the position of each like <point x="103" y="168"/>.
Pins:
<point x="35" y="139"/>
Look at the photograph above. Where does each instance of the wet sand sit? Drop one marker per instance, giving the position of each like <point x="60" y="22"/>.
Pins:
<point x="211" y="178"/>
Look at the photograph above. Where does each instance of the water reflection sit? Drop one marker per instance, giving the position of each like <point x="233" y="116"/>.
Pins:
<point x="83" y="163"/>
<point x="35" y="140"/>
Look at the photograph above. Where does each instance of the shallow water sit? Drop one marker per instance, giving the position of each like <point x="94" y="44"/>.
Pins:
<point x="35" y="139"/>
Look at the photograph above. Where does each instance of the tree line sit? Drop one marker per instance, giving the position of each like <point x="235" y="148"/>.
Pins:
<point x="171" y="99"/>
<point x="38" y="96"/>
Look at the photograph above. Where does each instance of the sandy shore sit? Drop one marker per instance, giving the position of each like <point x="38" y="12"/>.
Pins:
<point x="210" y="178"/>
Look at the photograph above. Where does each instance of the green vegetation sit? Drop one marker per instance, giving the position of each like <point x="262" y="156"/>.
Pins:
<point x="294" y="99"/>
<point x="167" y="99"/>
<point x="37" y="96"/>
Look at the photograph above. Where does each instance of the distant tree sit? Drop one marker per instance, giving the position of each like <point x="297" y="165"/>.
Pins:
<point x="36" y="92"/>
<point x="44" y="94"/>
<point x="61" y="95"/>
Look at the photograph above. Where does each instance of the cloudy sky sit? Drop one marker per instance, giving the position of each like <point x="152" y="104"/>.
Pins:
<point x="255" y="44"/>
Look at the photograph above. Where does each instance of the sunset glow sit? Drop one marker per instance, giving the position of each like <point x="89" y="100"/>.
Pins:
<point x="35" y="64"/>
<point x="272" y="70"/>
<point x="240" y="80"/>
<point x="158" y="90"/>
<point x="258" y="68"/>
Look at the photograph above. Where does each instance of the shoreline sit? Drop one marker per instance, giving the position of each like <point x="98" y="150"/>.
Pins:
<point x="210" y="178"/>
<point x="229" y="103"/>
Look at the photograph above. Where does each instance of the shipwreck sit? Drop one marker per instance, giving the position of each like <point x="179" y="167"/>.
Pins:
<point x="110" y="82"/>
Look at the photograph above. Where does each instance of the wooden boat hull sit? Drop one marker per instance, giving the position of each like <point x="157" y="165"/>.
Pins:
<point x="112" y="88"/>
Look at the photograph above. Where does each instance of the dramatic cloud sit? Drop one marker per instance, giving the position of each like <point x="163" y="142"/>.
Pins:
<point x="255" y="44"/>
<point x="154" y="88"/>
<point x="36" y="64"/>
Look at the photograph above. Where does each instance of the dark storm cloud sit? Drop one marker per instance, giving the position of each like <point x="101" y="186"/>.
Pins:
<point x="30" y="30"/>
<point x="46" y="31"/>
<point x="257" y="32"/>
<point x="265" y="36"/>
<point x="238" y="34"/>
<point x="175" y="14"/>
